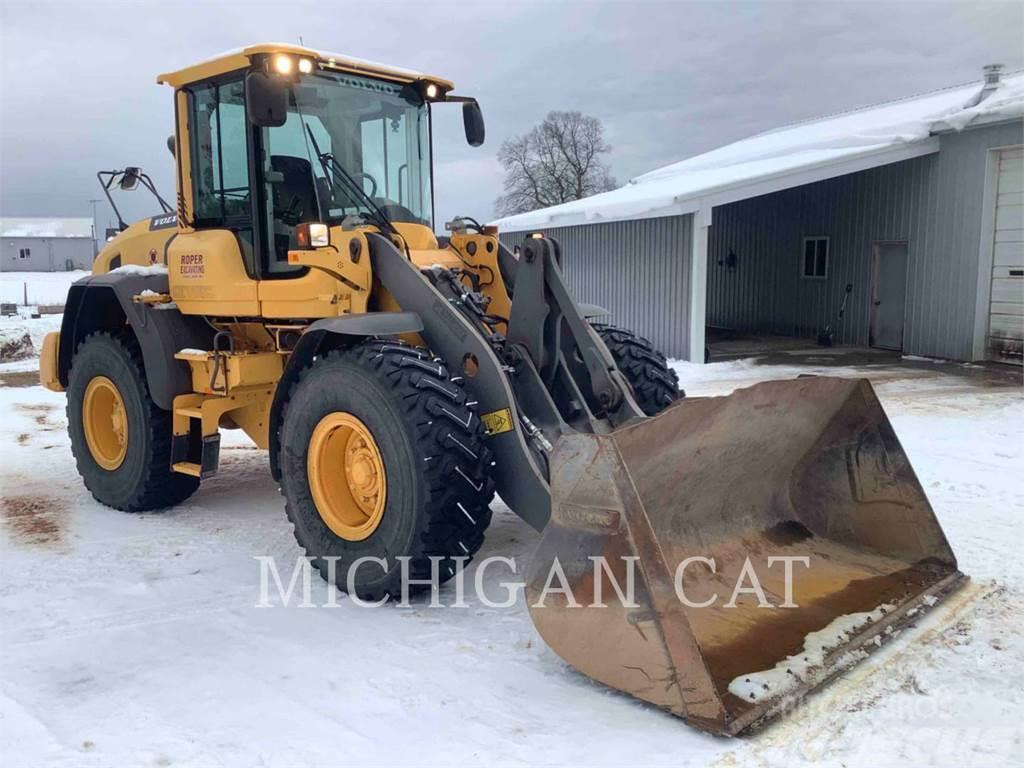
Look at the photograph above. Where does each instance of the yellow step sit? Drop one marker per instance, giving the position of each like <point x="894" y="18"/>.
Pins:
<point x="186" y="468"/>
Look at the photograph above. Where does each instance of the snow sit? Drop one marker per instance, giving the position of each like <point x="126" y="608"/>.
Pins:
<point x="829" y="140"/>
<point x="136" y="269"/>
<point x="788" y="674"/>
<point x="135" y="640"/>
<point x="17" y="326"/>
<point x="45" y="227"/>
<point x="43" y="287"/>
<point x="331" y="58"/>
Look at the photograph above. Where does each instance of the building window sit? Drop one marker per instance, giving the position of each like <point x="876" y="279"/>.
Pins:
<point x="24" y="253"/>
<point x="815" y="260"/>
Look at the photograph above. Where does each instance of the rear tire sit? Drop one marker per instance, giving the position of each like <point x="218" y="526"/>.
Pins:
<point x="142" y="479"/>
<point x="655" y="385"/>
<point x="436" y="466"/>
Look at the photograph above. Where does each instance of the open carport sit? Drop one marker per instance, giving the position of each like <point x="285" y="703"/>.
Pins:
<point x="897" y="227"/>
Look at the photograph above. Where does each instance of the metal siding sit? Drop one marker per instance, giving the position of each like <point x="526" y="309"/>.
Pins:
<point x="932" y="202"/>
<point x="47" y="254"/>
<point x="638" y="270"/>
<point x="78" y="251"/>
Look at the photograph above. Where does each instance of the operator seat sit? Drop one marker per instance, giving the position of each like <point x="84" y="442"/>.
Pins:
<point x="295" y="200"/>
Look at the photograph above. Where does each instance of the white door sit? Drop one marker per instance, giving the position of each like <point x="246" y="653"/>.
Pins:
<point x="888" y="296"/>
<point x="1005" y="341"/>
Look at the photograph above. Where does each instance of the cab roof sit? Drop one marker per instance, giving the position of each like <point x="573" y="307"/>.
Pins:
<point x="241" y="58"/>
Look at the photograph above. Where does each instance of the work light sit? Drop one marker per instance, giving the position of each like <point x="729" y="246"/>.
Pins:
<point x="312" y="235"/>
<point x="283" y="64"/>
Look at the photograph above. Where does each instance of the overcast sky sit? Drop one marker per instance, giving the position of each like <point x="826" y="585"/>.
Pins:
<point x="668" y="79"/>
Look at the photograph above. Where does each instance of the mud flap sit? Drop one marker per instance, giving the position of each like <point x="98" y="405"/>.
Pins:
<point x="710" y="495"/>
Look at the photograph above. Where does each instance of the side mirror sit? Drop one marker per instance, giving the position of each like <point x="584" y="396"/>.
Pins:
<point x="130" y="178"/>
<point x="473" y="120"/>
<point x="266" y="100"/>
<point x="170" y="145"/>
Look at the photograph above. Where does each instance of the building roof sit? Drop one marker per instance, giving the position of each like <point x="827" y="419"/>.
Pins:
<point x="791" y="156"/>
<point x="45" y="227"/>
<point x="240" y="58"/>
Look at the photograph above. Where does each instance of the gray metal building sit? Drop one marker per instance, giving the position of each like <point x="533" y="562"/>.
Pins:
<point x="915" y="209"/>
<point x="46" y="244"/>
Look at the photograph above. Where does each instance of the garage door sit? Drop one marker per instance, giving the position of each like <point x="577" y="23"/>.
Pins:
<point x="1006" y="310"/>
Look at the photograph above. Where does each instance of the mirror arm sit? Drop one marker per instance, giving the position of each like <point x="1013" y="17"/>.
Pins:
<point x="148" y="183"/>
<point x="466" y="101"/>
<point x="111" y="175"/>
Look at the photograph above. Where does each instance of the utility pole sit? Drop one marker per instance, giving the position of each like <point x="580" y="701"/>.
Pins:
<point x="95" y="243"/>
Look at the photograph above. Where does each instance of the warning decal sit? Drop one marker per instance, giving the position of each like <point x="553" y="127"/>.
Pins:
<point x="497" y="422"/>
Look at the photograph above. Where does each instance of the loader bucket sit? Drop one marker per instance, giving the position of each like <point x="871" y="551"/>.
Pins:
<point x="808" y="468"/>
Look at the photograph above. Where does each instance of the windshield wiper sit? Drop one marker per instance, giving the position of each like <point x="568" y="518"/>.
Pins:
<point x="376" y="215"/>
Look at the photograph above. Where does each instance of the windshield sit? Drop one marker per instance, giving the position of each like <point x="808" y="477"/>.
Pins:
<point x="377" y="132"/>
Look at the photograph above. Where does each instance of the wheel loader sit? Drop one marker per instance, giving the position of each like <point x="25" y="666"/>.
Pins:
<point x="296" y="290"/>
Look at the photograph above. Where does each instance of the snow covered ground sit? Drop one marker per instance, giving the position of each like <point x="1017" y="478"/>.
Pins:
<point x="43" y="287"/>
<point x="136" y="640"/>
<point x="16" y="326"/>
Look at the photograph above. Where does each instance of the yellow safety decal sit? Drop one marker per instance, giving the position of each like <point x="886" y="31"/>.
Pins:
<point x="497" y="422"/>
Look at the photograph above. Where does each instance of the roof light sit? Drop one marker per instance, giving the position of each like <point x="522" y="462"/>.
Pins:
<point x="432" y="91"/>
<point x="283" y="65"/>
<point x="305" y="66"/>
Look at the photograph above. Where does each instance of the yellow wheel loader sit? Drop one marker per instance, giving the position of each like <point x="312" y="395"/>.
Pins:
<point x="757" y="544"/>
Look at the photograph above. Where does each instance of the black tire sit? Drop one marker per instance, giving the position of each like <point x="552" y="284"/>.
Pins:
<point x="144" y="480"/>
<point x="655" y="385"/>
<point x="437" y="466"/>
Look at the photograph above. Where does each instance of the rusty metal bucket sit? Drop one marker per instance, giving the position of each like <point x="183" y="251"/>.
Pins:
<point x="803" y="468"/>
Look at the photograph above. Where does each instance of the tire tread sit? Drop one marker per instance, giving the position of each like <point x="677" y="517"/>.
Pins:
<point x="447" y="430"/>
<point x="655" y="384"/>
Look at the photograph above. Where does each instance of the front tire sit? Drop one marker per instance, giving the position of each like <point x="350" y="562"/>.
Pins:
<point x="383" y="457"/>
<point x="120" y="439"/>
<point x="655" y="385"/>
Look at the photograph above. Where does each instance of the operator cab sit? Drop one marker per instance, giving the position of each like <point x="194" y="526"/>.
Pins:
<point x="278" y="136"/>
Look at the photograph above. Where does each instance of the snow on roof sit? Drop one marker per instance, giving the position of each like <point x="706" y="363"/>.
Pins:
<point x="45" y="227"/>
<point x="871" y="132"/>
<point x="228" y="60"/>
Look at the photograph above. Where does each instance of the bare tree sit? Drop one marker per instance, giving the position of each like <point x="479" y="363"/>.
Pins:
<point x="555" y="162"/>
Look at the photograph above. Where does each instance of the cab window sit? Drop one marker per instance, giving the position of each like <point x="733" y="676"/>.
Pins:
<point x="296" y="181"/>
<point x="220" y="161"/>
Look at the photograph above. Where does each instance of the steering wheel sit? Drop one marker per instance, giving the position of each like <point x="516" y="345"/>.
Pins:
<point x="373" y="182"/>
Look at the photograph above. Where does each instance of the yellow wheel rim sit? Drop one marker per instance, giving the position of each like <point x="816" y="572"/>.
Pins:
<point x="346" y="476"/>
<point x="105" y="422"/>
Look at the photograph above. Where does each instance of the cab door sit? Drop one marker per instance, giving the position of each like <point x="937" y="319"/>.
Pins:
<point x="293" y="187"/>
<point x="210" y="263"/>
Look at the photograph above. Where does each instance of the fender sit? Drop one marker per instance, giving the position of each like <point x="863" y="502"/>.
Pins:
<point x="324" y="335"/>
<point x="592" y="310"/>
<point x="104" y="303"/>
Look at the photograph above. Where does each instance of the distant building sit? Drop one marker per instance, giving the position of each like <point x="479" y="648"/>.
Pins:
<point x="911" y="211"/>
<point x="46" y="244"/>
